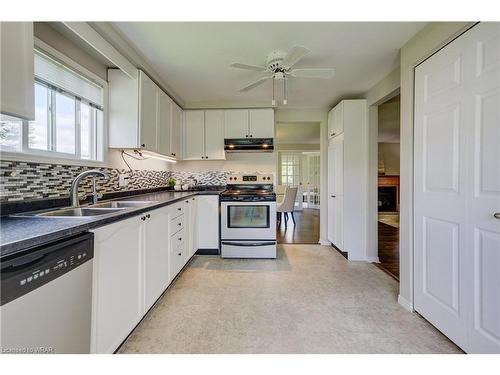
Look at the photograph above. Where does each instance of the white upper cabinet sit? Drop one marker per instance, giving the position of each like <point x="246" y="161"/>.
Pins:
<point x="214" y="135"/>
<point x="194" y="133"/>
<point x="204" y="135"/>
<point x="176" y="132"/>
<point x="249" y="123"/>
<point x="164" y="123"/>
<point x="236" y="123"/>
<point x="148" y="108"/>
<point x="142" y="116"/>
<point x="336" y="120"/>
<point x="261" y="124"/>
<point x="17" y="69"/>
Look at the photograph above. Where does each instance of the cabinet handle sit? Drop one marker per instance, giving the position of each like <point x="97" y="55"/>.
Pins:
<point x="179" y="254"/>
<point x="206" y="157"/>
<point x="246" y="136"/>
<point x="192" y="199"/>
<point x="203" y="157"/>
<point x="496" y="215"/>
<point x="143" y="145"/>
<point x="187" y="201"/>
<point x="180" y="238"/>
<point x="179" y="224"/>
<point x="172" y="154"/>
<point x="143" y="218"/>
<point x="179" y="209"/>
<point x="148" y="216"/>
<point x="251" y="135"/>
<point x="333" y="196"/>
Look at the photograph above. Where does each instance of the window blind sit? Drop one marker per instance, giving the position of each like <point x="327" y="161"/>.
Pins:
<point x="55" y="73"/>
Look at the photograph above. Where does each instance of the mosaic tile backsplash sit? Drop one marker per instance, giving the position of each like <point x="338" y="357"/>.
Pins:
<point x="30" y="180"/>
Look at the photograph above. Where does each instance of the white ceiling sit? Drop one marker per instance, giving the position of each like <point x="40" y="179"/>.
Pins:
<point x="297" y="133"/>
<point x="194" y="58"/>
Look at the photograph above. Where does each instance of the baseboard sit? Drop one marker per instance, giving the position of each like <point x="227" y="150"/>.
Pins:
<point x="324" y="242"/>
<point x="372" y="259"/>
<point x="405" y="303"/>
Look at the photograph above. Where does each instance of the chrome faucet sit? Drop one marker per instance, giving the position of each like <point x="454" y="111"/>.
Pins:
<point x="75" y="202"/>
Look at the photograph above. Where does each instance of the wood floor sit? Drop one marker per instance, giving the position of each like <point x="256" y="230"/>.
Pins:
<point x="388" y="249"/>
<point x="305" y="231"/>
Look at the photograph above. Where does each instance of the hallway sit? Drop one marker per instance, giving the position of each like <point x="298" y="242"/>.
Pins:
<point x="309" y="300"/>
<point x="305" y="230"/>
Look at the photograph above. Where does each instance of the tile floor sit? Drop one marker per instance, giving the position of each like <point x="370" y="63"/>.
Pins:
<point x="309" y="300"/>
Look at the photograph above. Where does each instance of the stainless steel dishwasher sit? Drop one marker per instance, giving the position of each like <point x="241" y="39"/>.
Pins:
<point x="46" y="298"/>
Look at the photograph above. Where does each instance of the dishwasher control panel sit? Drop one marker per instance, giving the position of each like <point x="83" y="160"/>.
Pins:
<point x="23" y="273"/>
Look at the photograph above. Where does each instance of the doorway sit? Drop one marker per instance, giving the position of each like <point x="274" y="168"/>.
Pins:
<point x="388" y="146"/>
<point x="298" y="166"/>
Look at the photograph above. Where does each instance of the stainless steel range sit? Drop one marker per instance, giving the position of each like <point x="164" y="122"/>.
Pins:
<point x="248" y="217"/>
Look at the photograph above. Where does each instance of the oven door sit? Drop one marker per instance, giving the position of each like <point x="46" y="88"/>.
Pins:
<point x="248" y="220"/>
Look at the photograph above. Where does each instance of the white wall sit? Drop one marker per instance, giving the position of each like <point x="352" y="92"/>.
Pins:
<point x="422" y="45"/>
<point x="390" y="154"/>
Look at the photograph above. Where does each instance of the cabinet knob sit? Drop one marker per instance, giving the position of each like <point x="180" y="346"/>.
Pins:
<point x="148" y="216"/>
<point x="179" y="224"/>
<point x="172" y="154"/>
<point x="251" y="135"/>
<point x="180" y="238"/>
<point x="179" y="209"/>
<point x="143" y="145"/>
<point x="143" y="218"/>
<point x="203" y="157"/>
<point x="192" y="199"/>
<point x="206" y="157"/>
<point x="246" y="136"/>
<point x="179" y="254"/>
<point x="333" y="196"/>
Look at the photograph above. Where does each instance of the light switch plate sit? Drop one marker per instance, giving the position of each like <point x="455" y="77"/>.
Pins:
<point x="122" y="180"/>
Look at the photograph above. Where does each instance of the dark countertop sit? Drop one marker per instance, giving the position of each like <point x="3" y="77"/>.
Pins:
<point x="22" y="233"/>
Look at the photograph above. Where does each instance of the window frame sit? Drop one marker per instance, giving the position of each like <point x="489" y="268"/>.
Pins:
<point x="298" y="166"/>
<point x="50" y="156"/>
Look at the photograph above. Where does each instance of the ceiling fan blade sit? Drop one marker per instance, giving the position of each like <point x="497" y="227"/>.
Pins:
<point x="294" y="55"/>
<point x="255" y="84"/>
<point x="249" y="67"/>
<point x="313" y="73"/>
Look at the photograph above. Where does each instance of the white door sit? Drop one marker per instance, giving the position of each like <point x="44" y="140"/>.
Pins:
<point x="194" y="135"/>
<point x="156" y="254"/>
<point x="214" y="135"/>
<point x="176" y="132"/>
<point x="147" y="113"/>
<point x="457" y="189"/>
<point x="117" y="304"/>
<point x="164" y="122"/>
<point x="236" y="123"/>
<point x="261" y="123"/>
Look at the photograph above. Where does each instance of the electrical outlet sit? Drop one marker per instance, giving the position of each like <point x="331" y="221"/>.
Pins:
<point x="122" y="180"/>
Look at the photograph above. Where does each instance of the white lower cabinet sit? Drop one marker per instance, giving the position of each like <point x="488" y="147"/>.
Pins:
<point x="156" y="261"/>
<point x="117" y="304"/>
<point x="135" y="260"/>
<point x="207" y="220"/>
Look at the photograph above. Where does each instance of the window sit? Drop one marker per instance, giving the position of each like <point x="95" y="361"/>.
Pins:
<point x="289" y="169"/>
<point x="69" y="116"/>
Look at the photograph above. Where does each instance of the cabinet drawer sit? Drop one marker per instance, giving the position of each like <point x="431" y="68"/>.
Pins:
<point x="176" y="224"/>
<point x="177" y="209"/>
<point x="177" y="259"/>
<point x="177" y="239"/>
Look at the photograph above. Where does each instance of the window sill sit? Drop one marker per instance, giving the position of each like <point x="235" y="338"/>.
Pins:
<point x="45" y="159"/>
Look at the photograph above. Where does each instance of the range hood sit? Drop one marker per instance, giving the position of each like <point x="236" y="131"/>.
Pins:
<point x="248" y="145"/>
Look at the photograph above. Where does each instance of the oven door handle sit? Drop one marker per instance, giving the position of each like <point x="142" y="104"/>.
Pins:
<point x="249" y="244"/>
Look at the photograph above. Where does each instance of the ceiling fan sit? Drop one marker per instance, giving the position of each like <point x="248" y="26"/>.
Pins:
<point x="279" y="66"/>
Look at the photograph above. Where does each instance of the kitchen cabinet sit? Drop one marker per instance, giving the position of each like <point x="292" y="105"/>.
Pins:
<point x="336" y="120"/>
<point x="142" y="116"/>
<point x="156" y="254"/>
<point x="204" y="135"/>
<point x="191" y="226"/>
<point x="249" y="123"/>
<point x="348" y="191"/>
<point x="261" y="123"/>
<point x="178" y="250"/>
<point x="117" y="288"/>
<point x="164" y="123"/>
<point x="176" y="132"/>
<point x="17" y="95"/>
<point x="208" y="221"/>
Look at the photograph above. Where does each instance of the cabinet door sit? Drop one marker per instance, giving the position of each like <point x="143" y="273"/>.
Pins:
<point x="176" y="132"/>
<point x="331" y="122"/>
<point x="156" y="249"/>
<point x="191" y="228"/>
<point x="17" y="95"/>
<point x="194" y="135"/>
<point x="208" y="221"/>
<point x="338" y="120"/>
<point x="261" y="123"/>
<point x="214" y="135"/>
<point x="236" y="123"/>
<point x="148" y="93"/>
<point x="164" y="123"/>
<point x="117" y="304"/>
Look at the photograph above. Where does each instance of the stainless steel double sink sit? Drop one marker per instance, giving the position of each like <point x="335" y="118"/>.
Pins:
<point x="104" y="208"/>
